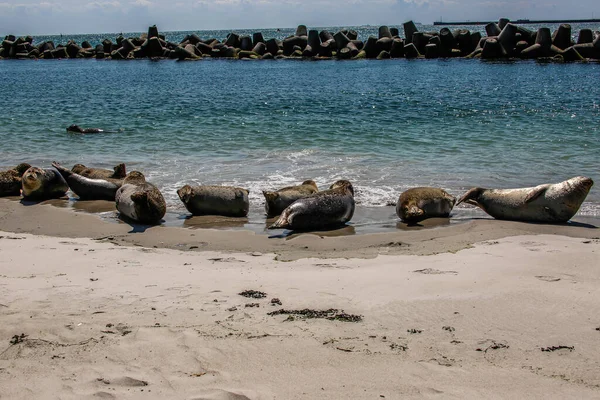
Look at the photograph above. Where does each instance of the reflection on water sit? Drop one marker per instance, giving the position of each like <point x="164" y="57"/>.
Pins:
<point x="214" y="222"/>
<point x="428" y="223"/>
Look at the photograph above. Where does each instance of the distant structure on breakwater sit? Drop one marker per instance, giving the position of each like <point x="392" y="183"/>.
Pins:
<point x="523" y="21"/>
<point x="504" y="40"/>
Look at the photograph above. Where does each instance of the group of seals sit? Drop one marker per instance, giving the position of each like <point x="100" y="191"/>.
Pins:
<point x="300" y="207"/>
<point x="547" y="203"/>
<point x="87" y="188"/>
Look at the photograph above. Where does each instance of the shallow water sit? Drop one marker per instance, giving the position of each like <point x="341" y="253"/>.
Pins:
<point x="384" y="125"/>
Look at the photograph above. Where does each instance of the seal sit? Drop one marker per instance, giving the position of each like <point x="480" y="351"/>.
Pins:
<point x="140" y="201"/>
<point x="417" y="204"/>
<point x="279" y="200"/>
<point x="88" y="188"/>
<point x="228" y="201"/>
<point x="326" y="209"/>
<point x="544" y="203"/>
<point x="10" y="181"/>
<point x="78" y="129"/>
<point x="42" y="184"/>
<point x="118" y="172"/>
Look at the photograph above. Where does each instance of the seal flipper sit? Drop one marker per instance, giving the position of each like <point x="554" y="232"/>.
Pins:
<point x="471" y="196"/>
<point x="63" y="171"/>
<point x="282" y="222"/>
<point x="535" y="193"/>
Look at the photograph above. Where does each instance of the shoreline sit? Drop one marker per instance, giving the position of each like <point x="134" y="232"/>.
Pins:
<point x="514" y="317"/>
<point x="47" y="219"/>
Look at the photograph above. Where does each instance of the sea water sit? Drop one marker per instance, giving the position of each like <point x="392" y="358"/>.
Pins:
<point x="384" y="125"/>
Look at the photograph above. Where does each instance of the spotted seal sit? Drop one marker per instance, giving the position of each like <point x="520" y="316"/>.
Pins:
<point x="118" y="172"/>
<point x="215" y="200"/>
<point x="88" y="188"/>
<point x="140" y="201"/>
<point x="42" y="184"/>
<point x="279" y="200"/>
<point x="556" y="202"/>
<point x="326" y="209"/>
<point x="10" y="180"/>
<point x="78" y="129"/>
<point x="417" y="204"/>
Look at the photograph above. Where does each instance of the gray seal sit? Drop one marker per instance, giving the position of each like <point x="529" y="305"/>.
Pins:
<point x="118" y="172"/>
<point x="279" y="200"/>
<point x="43" y="184"/>
<point x="88" y="188"/>
<point x="140" y="201"/>
<point x="10" y="180"/>
<point x="215" y="200"/>
<point x="326" y="209"/>
<point x="557" y="202"/>
<point x="417" y="204"/>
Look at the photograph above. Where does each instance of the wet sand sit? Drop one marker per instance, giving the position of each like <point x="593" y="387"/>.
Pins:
<point x="208" y="233"/>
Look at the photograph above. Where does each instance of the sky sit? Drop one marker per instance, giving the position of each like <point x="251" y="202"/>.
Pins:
<point x="38" y="17"/>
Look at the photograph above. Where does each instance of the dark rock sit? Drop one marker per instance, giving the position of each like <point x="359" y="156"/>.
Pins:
<point x="432" y="51"/>
<point x="410" y="51"/>
<point x="492" y="29"/>
<point x="152" y="32"/>
<point x="409" y="30"/>
<point x="492" y="49"/>
<point x="585" y="36"/>
<point x="384" y="44"/>
<point x="257" y="37"/>
<point x="397" y="49"/>
<point x="384" y="32"/>
<point x="562" y="37"/>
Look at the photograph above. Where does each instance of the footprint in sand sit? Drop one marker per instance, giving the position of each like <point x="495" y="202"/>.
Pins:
<point x="547" y="278"/>
<point x="433" y="271"/>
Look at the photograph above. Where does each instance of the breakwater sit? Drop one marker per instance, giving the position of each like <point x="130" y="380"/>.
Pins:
<point x="524" y="22"/>
<point x="500" y="40"/>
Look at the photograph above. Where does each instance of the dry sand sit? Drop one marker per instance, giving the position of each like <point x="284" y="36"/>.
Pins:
<point x="94" y="311"/>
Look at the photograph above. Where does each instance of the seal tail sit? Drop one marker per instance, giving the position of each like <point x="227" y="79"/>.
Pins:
<point x="471" y="196"/>
<point x="282" y="222"/>
<point x="63" y="171"/>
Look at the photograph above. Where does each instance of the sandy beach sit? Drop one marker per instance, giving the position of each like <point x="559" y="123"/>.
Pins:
<point x="484" y="309"/>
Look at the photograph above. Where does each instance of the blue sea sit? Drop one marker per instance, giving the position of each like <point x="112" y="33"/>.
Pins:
<point x="384" y="125"/>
